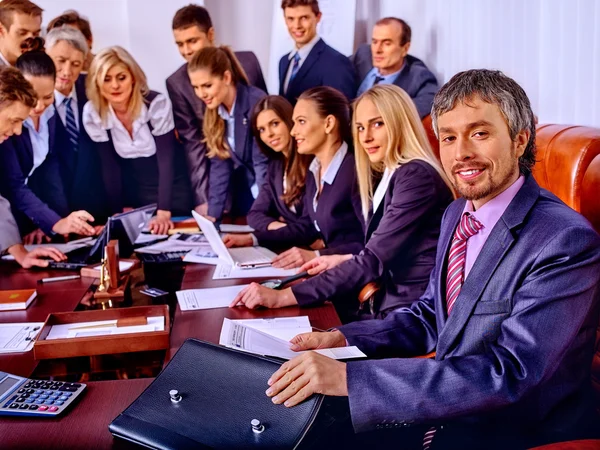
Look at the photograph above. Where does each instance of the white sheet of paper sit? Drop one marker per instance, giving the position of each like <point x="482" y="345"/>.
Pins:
<point x="144" y="238"/>
<point x="123" y="265"/>
<point x="284" y="328"/>
<point x="71" y="330"/>
<point x="240" y="337"/>
<point x="225" y="272"/>
<point x="64" y="248"/>
<point x="193" y="299"/>
<point x="18" y="337"/>
<point x="233" y="228"/>
<point x="203" y="255"/>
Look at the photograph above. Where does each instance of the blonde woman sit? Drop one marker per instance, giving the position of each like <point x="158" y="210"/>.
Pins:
<point x="403" y="212"/>
<point x="133" y="129"/>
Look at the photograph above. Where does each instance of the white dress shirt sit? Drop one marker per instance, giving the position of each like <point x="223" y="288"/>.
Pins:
<point x="303" y="52"/>
<point x="61" y="108"/>
<point x="382" y="188"/>
<point x="159" y="114"/>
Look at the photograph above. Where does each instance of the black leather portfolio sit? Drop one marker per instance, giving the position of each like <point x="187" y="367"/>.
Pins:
<point x="214" y="397"/>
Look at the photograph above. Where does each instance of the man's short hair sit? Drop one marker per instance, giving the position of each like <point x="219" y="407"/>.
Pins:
<point x="70" y="35"/>
<point x="406" y="31"/>
<point x="191" y="15"/>
<point x="73" y="19"/>
<point x="15" y="88"/>
<point x="491" y="86"/>
<point x="9" y="7"/>
<point x="314" y="4"/>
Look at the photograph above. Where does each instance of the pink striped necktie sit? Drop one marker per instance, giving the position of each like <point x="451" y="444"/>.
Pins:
<point x="468" y="226"/>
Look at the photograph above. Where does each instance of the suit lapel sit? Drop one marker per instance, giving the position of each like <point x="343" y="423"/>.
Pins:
<point x="374" y="219"/>
<point x="283" y="67"/>
<point x="52" y="132"/>
<point x="311" y="59"/>
<point x="26" y="140"/>
<point x="500" y="240"/>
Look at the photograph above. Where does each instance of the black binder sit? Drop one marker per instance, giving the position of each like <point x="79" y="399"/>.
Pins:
<point x="220" y="392"/>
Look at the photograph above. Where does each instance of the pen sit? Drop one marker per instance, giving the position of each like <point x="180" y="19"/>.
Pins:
<point x="65" y="278"/>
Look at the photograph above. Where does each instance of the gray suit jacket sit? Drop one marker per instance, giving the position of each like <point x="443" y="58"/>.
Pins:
<point x="9" y="231"/>
<point x="188" y="111"/>
<point x="514" y="355"/>
<point x="415" y="78"/>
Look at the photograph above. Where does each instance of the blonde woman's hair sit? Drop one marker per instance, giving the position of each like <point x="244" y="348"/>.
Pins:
<point x="407" y="139"/>
<point x="101" y="64"/>
<point x="217" y="60"/>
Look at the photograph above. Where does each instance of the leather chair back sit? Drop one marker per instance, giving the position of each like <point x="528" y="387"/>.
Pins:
<point x="435" y="145"/>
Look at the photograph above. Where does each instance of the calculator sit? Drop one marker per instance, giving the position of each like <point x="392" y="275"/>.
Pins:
<point x="36" y="398"/>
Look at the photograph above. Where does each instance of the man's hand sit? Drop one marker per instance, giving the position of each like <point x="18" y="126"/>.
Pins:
<point x="35" y="237"/>
<point x="292" y="258"/>
<point x="276" y="225"/>
<point x="316" y="340"/>
<point x="238" y="240"/>
<point x="77" y="223"/>
<point x="305" y="375"/>
<point x="202" y="209"/>
<point x="323" y="263"/>
<point x="161" y="223"/>
<point x="30" y="259"/>
<point x="256" y="295"/>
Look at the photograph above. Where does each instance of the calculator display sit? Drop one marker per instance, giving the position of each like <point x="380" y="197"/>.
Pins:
<point x="6" y="384"/>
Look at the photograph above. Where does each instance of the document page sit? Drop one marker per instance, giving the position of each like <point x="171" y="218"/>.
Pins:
<point x="103" y="328"/>
<point x="226" y="272"/>
<point x="240" y="337"/>
<point x="18" y="337"/>
<point x="193" y="299"/>
<point x="284" y="328"/>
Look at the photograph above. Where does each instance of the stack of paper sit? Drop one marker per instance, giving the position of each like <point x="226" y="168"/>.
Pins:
<point x="192" y="299"/>
<point x="225" y="272"/>
<point x="18" y="337"/>
<point x="103" y="328"/>
<point x="252" y="340"/>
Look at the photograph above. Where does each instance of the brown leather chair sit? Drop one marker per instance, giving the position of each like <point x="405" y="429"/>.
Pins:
<point x="435" y="144"/>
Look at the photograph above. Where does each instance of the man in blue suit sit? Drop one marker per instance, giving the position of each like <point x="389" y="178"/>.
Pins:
<point x="511" y="308"/>
<point x="386" y="61"/>
<point x="312" y="62"/>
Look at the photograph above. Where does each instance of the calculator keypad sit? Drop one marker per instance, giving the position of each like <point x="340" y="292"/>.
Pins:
<point x="42" y="396"/>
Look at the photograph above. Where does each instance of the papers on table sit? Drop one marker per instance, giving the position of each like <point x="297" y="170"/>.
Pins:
<point x="18" y="337"/>
<point x="281" y="327"/>
<point x="145" y="238"/>
<point x="225" y="272"/>
<point x="203" y="255"/>
<point x="233" y="228"/>
<point x="241" y="337"/>
<point x="64" y="248"/>
<point x="102" y="328"/>
<point x="192" y="299"/>
<point x="178" y="243"/>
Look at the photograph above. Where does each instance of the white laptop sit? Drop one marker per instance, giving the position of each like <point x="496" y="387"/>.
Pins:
<point x="244" y="257"/>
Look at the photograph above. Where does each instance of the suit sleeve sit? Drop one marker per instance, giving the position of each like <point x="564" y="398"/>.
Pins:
<point x="423" y="98"/>
<point x="9" y="231"/>
<point x="261" y="163"/>
<point x="55" y="190"/>
<point x="220" y="179"/>
<point x="21" y="196"/>
<point x="342" y="77"/>
<point x="413" y="204"/>
<point x="522" y="357"/>
<point x="263" y="210"/>
<point x="189" y="127"/>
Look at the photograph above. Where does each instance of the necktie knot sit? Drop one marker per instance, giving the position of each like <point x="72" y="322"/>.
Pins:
<point x="469" y="226"/>
<point x="67" y="101"/>
<point x="296" y="58"/>
<point x="378" y="80"/>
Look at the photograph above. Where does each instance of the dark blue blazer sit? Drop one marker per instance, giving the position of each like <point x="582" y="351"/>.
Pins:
<point x="338" y="213"/>
<point x="400" y="246"/>
<point x="233" y="177"/>
<point x="324" y="66"/>
<point x="415" y="78"/>
<point x="80" y="171"/>
<point x="42" y="201"/>
<point x="514" y="356"/>
<point x="269" y="207"/>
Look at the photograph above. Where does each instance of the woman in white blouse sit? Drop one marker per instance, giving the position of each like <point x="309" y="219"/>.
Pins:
<point x="134" y="131"/>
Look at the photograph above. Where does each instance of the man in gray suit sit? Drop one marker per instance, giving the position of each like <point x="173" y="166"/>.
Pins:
<point x="193" y="30"/>
<point x="17" y="97"/>
<point x="511" y="308"/>
<point x="386" y="61"/>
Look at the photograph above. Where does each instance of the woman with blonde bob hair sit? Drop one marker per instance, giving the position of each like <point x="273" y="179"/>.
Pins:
<point x="404" y="193"/>
<point x="134" y="132"/>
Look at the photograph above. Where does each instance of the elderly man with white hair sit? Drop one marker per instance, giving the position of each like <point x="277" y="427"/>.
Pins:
<point x="80" y="167"/>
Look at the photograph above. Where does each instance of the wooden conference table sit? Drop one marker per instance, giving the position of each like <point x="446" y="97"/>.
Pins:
<point x="86" y="424"/>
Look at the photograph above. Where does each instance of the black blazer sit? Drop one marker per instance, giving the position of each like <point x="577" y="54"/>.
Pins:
<point x="41" y="202"/>
<point x="233" y="177"/>
<point x="338" y="213"/>
<point x="269" y="207"/>
<point x="415" y="78"/>
<point x="324" y="66"/>
<point x="188" y="111"/>
<point x="80" y="170"/>
<point x="400" y="246"/>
